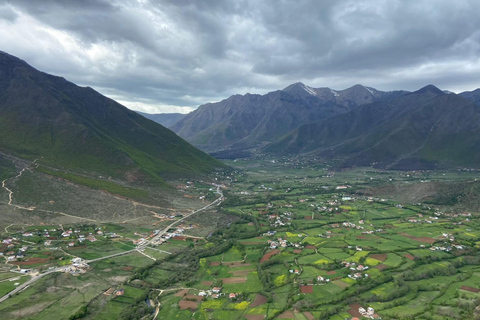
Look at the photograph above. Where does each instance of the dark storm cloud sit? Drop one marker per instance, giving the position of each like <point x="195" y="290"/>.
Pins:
<point x="188" y="52"/>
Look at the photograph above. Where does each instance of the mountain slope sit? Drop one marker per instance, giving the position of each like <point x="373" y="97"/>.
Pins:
<point x="46" y="117"/>
<point x="473" y="96"/>
<point x="249" y="121"/>
<point x="424" y="129"/>
<point x="165" y="119"/>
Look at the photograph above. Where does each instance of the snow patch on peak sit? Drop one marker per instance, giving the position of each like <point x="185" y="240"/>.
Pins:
<point x="370" y="90"/>
<point x="335" y="93"/>
<point x="309" y="90"/>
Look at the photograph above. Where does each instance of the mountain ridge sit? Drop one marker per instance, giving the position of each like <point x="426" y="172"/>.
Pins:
<point x="47" y="117"/>
<point x="247" y="122"/>
<point x="423" y="129"/>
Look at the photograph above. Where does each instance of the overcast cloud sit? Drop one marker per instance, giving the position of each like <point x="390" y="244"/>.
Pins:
<point x="173" y="55"/>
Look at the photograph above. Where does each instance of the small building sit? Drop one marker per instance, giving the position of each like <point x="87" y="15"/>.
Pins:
<point x="216" y="289"/>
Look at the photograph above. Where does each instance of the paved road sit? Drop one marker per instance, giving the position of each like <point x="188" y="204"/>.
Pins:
<point x="142" y="246"/>
<point x="161" y="233"/>
<point x="110" y="256"/>
<point x="26" y="284"/>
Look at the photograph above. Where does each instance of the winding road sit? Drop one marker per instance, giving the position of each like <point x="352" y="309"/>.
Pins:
<point x="139" y="248"/>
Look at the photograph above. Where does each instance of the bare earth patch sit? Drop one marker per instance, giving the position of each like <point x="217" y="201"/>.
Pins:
<point x="408" y="256"/>
<point x="381" y="267"/>
<point x="287" y="315"/>
<point x="354" y="310"/>
<point x="470" y="289"/>
<point x="268" y="255"/>
<point x="193" y="297"/>
<point x="306" y="289"/>
<point x="241" y="272"/>
<point x="214" y="263"/>
<point x="331" y="272"/>
<point x="259" y="300"/>
<point x="181" y="293"/>
<point x="207" y="283"/>
<point x="309" y="315"/>
<point x="239" y="265"/>
<point x="235" y="280"/>
<point x="297" y="251"/>
<point x="30" y="261"/>
<point x="184" y="304"/>
<point x="310" y="247"/>
<point x="421" y="239"/>
<point x="379" y="257"/>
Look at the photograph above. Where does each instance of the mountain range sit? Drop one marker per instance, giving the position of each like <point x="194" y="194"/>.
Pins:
<point x="358" y="126"/>
<point x="251" y="121"/>
<point x="48" y="118"/>
<point x="62" y="125"/>
<point x="424" y="129"/>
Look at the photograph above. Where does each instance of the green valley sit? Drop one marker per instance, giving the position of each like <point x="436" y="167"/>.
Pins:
<point x="291" y="240"/>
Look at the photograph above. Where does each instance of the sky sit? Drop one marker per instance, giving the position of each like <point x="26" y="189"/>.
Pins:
<point x="174" y="55"/>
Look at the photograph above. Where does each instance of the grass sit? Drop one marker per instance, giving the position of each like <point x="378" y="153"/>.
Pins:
<point x="97" y="184"/>
<point x="393" y="260"/>
<point x="8" y="285"/>
<point x="413" y="307"/>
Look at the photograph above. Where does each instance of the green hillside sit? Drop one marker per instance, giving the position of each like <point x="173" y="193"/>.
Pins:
<point x="47" y="118"/>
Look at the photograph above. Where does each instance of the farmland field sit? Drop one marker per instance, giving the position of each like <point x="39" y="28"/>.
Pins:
<point x="289" y="241"/>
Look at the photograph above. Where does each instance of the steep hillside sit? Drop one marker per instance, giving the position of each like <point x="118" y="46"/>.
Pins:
<point x="424" y="129"/>
<point x="47" y="118"/>
<point x="249" y="121"/>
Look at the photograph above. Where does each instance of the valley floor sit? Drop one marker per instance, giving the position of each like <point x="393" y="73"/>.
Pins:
<point x="291" y="240"/>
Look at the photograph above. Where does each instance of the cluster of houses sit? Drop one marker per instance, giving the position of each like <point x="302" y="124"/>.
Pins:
<point x="414" y="220"/>
<point x="357" y="269"/>
<point x="164" y="238"/>
<point x="12" y="255"/>
<point x="369" y="313"/>
<point x="280" y="220"/>
<point x="216" y="293"/>
<point x="448" y="248"/>
<point x="321" y="279"/>
<point x="118" y="292"/>
<point x="353" y="225"/>
<point x="279" y="243"/>
<point x="353" y="266"/>
<point x="77" y="267"/>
